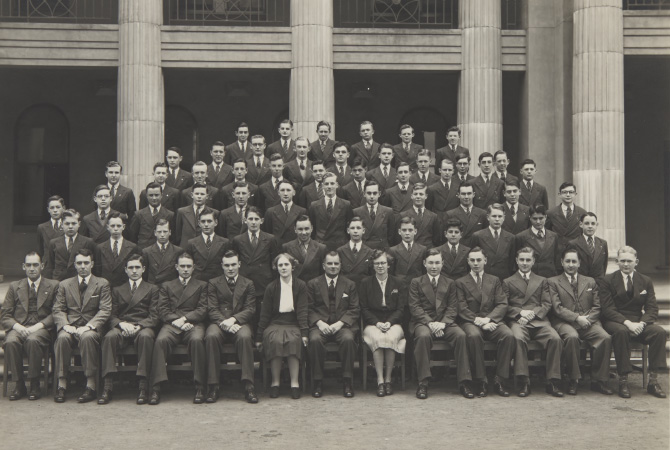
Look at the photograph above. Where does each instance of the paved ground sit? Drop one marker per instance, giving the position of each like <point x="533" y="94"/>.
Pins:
<point x="587" y="421"/>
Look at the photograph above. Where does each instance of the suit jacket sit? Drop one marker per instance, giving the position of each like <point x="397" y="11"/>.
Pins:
<point x="431" y="178"/>
<point x="489" y="302"/>
<point x="222" y="303"/>
<point x="281" y="225"/>
<point x="352" y="195"/>
<point x="187" y="226"/>
<point x="547" y="258"/>
<point x="427" y="305"/>
<point x="140" y="308"/>
<point x="307" y="195"/>
<point x="566" y="230"/>
<point x="292" y="173"/>
<point x="592" y="265"/>
<point x="454" y="268"/>
<point x="370" y="297"/>
<point x="532" y="296"/>
<point x="369" y="158"/>
<point x="45" y="233"/>
<point x="111" y="267"/>
<point x="276" y="147"/>
<point x="160" y="266"/>
<point x="457" y="177"/>
<point x="183" y="180"/>
<point x="617" y="307"/>
<point x="342" y="178"/>
<point x="223" y="178"/>
<point x="474" y="222"/>
<point x="59" y="263"/>
<point x="400" y="155"/>
<point x="141" y="229"/>
<point x="233" y="152"/>
<point x="94" y="228"/>
<point x="378" y="175"/>
<point x="508" y="177"/>
<point x="537" y="195"/>
<point x="346" y="298"/>
<point x="487" y="195"/>
<point x="93" y="308"/>
<point x="187" y="199"/>
<point x="268" y="196"/>
<point x="230" y="223"/>
<point x="175" y="301"/>
<point x="522" y="219"/>
<point x="15" y="307"/>
<point x="447" y="152"/>
<point x="500" y="254"/>
<point x="355" y="266"/>
<point x="255" y="175"/>
<point x="169" y="198"/>
<point x="270" y="306"/>
<point x="316" y="154"/>
<point x="439" y="199"/>
<point x="566" y="306"/>
<point x="207" y="263"/>
<point x="429" y="228"/>
<point x="124" y="202"/>
<point x="224" y="198"/>
<point x="407" y="266"/>
<point x="256" y="263"/>
<point x="330" y="230"/>
<point x="396" y="200"/>
<point x="310" y="265"/>
<point x="380" y="233"/>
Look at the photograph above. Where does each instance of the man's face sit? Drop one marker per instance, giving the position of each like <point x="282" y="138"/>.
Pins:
<point x="199" y="196"/>
<point x="465" y="195"/>
<point x="589" y="225"/>
<point x="341" y="155"/>
<point x="83" y="265"/>
<point x="330" y="186"/>
<point x="423" y="163"/>
<point x="231" y="266"/>
<point x="276" y="168"/>
<point x="359" y="173"/>
<point x="286" y="193"/>
<point x="55" y="209"/>
<point x="239" y="171"/>
<point x="323" y="133"/>
<point x="403" y="174"/>
<point x="113" y="174"/>
<point x="207" y="224"/>
<point x="160" y="175"/>
<point x="407" y="232"/>
<point x="406" y="135"/>
<point x="367" y="132"/>
<point x="627" y="262"/>
<point x="253" y="222"/>
<point x="528" y="172"/>
<point x="433" y="265"/>
<point x="303" y="230"/>
<point x="102" y="198"/>
<point x="570" y="263"/>
<point x="318" y="171"/>
<point x="115" y="227"/>
<point x="525" y="261"/>
<point x="217" y="152"/>
<point x="419" y="197"/>
<point x="33" y="266"/>
<point x="511" y="194"/>
<point x="154" y="197"/>
<point x="134" y="270"/>
<point x="301" y="148"/>
<point x="242" y="134"/>
<point x="501" y="163"/>
<point x="356" y="230"/>
<point x="258" y="146"/>
<point x="285" y="130"/>
<point x="453" y="137"/>
<point x="538" y="220"/>
<point x="453" y="235"/>
<point x="162" y="233"/>
<point x="567" y="195"/>
<point x="184" y="267"/>
<point x="477" y="261"/>
<point x="70" y="226"/>
<point x="386" y="155"/>
<point x="332" y="265"/>
<point x="463" y="166"/>
<point x="372" y="194"/>
<point x="200" y="174"/>
<point x="241" y="196"/>
<point x="486" y="165"/>
<point x="496" y="218"/>
<point x="173" y="159"/>
<point x="446" y="171"/>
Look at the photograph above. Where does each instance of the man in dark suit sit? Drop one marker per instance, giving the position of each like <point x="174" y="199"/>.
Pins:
<point x="334" y="314"/>
<point x="543" y="241"/>
<point x="330" y="215"/>
<point x="529" y="304"/>
<point x="406" y="151"/>
<point x="111" y="255"/>
<point x="630" y="313"/>
<point x="408" y="255"/>
<point x="593" y="251"/>
<point x="423" y="173"/>
<point x="258" y="165"/>
<point x="94" y="225"/>
<point x="53" y="227"/>
<point x="187" y="222"/>
<point x="399" y="197"/>
<point x="122" y="198"/>
<point x="231" y="306"/>
<point x="378" y="220"/>
<point x="199" y="177"/>
<point x="482" y="308"/>
<point x="367" y="150"/>
<point x="354" y="191"/>
<point x="182" y="306"/>
<point x="225" y="197"/>
<point x="208" y="248"/>
<point x="532" y="193"/>
<point x="161" y="257"/>
<point x="284" y="146"/>
<point x="231" y="220"/>
<point x="384" y="174"/>
<point x="219" y="174"/>
<point x="268" y="192"/>
<point x="59" y="263"/>
<point x="472" y="218"/>
<point x="177" y="178"/>
<point x="517" y="218"/>
<point x="169" y="196"/>
<point x="433" y="306"/>
<point x="576" y="317"/>
<point x="454" y="253"/>
<point x="355" y="256"/>
<point x="443" y="194"/>
<point x="27" y="319"/>
<point x="564" y="218"/>
<point x="133" y="321"/>
<point x="451" y="150"/>
<point x="341" y="168"/>
<point x="322" y="148"/>
<point x="488" y="190"/>
<point x="498" y="245"/>
<point x="280" y="219"/>
<point x="313" y="191"/>
<point x="299" y="171"/>
<point x="428" y="227"/>
<point x="501" y="161"/>
<point x="308" y="252"/>
<point x="141" y="229"/>
<point x="463" y="168"/>
<point x="82" y="307"/>
<point x="241" y="148"/>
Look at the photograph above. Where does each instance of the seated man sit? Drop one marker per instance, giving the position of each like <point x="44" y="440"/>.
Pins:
<point x="433" y="306"/>
<point x="27" y="319"/>
<point x="53" y="227"/>
<point x="134" y="321"/>
<point x="162" y="256"/>
<point x="629" y="314"/>
<point x="334" y="314"/>
<point x="482" y="308"/>
<point x="182" y="306"/>
<point x="59" y="261"/>
<point x="111" y="255"/>
<point x="231" y="306"/>
<point x="82" y="307"/>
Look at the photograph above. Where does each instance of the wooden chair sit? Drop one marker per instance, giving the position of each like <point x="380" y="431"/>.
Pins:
<point x="332" y="348"/>
<point x="76" y="366"/>
<point x="45" y="373"/>
<point x="644" y="348"/>
<point x="230" y="362"/>
<point x="368" y="362"/>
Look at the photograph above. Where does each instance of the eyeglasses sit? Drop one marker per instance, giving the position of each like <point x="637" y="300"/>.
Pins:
<point x="568" y="192"/>
<point x="381" y="263"/>
<point x="103" y="196"/>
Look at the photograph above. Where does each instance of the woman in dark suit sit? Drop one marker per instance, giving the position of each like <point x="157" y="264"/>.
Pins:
<point x="282" y="328"/>
<point x="383" y="298"/>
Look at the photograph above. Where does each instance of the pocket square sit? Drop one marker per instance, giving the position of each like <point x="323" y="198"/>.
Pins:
<point x="643" y="292"/>
<point x="589" y="290"/>
<point x="394" y="291"/>
<point x="94" y="296"/>
<point x="345" y="295"/>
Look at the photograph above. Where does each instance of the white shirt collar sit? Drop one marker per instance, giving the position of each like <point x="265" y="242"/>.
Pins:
<point x="328" y="280"/>
<point x="535" y="231"/>
<point x="185" y="280"/>
<point x="565" y="208"/>
<point x="406" y="244"/>
<point x="250" y="233"/>
<point x="493" y="231"/>
<point x="120" y="240"/>
<point x="109" y="208"/>
<point x="500" y="174"/>
<point x="568" y="276"/>
<point x="157" y="208"/>
<point x="67" y="238"/>
<point x="37" y="282"/>
<point x="204" y="236"/>
<point x="289" y="204"/>
<point x="352" y="244"/>
<point x="138" y="282"/>
<point x="516" y="206"/>
<point x="87" y="279"/>
<point x="431" y="278"/>
<point x="524" y="275"/>
<point x="474" y="275"/>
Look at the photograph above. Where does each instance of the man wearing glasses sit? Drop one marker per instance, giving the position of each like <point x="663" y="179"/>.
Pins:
<point x="564" y="218"/>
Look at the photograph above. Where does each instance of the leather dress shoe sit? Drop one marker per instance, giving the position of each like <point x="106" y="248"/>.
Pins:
<point x="155" y="398"/>
<point x="106" y="397"/>
<point x="317" y="392"/>
<point x="59" y="397"/>
<point x="655" y="390"/>
<point x="250" y="395"/>
<point x="500" y="389"/>
<point x="483" y="389"/>
<point x="87" y="396"/>
<point x="35" y="393"/>
<point x="388" y="388"/>
<point x="212" y="395"/>
<point x="572" y="387"/>
<point x="624" y="391"/>
<point x="465" y="390"/>
<point x="553" y="390"/>
<point x="422" y="392"/>
<point x="142" y="397"/>
<point x="380" y="390"/>
<point x="347" y="390"/>
<point x="295" y="393"/>
<point x="18" y="393"/>
<point x="199" y="397"/>
<point x="525" y="390"/>
<point x="274" y="391"/>
<point x="599" y="386"/>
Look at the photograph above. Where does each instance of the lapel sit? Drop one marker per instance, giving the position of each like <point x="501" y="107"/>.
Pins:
<point x="190" y="217"/>
<point x="534" y="282"/>
<point x="311" y="251"/>
<point x="262" y="243"/>
<point x="139" y="294"/>
<point x="92" y="286"/>
<point x="427" y="289"/>
<point x="24" y="293"/>
<point x="567" y="287"/>
<point x="487" y="285"/>
<point x="216" y="245"/>
<point x="339" y="292"/>
<point x="124" y="251"/>
<point x="185" y="293"/>
<point x="597" y="243"/>
<point x="323" y="287"/>
<point x="476" y="294"/>
<point x="402" y="252"/>
<point x="581" y="285"/>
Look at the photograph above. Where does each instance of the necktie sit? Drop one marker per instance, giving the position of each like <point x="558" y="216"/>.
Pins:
<point x="629" y="287"/>
<point x="403" y="190"/>
<point x="286" y="209"/>
<point x="154" y="211"/>
<point x="134" y="288"/>
<point x="319" y="190"/>
<point x="208" y="242"/>
<point x="478" y="279"/>
<point x="33" y="291"/>
<point x="525" y="277"/>
<point x="540" y="234"/>
<point x="82" y="288"/>
<point x="486" y="180"/>
<point x="409" y="248"/>
<point x="512" y="211"/>
<point x="302" y="164"/>
<point x="303" y="249"/>
<point x="285" y="146"/>
<point x="217" y="168"/>
<point x="592" y="247"/>
<point x="258" y="163"/>
<point x="183" y="282"/>
<point x="423" y="178"/>
<point x="420" y="212"/>
<point x="372" y="213"/>
<point x="341" y="169"/>
<point x="241" y="212"/>
<point x="467" y="211"/>
<point x="277" y="185"/>
<point x="103" y="215"/>
<point x="112" y="192"/>
<point x="55" y="225"/>
<point x="407" y="148"/>
<point x="463" y="178"/>
<point x="502" y="177"/>
<point x="568" y="213"/>
<point x="323" y="146"/>
<point x="360" y="187"/>
<point x="254" y="239"/>
<point x="231" y="284"/>
<point x="172" y="173"/>
<point x="367" y="145"/>
<point x="115" y="248"/>
<point x="528" y="186"/>
<point x="355" y="249"/>
<point x="386" y="171"/>
<point x="433" y="281"/>
<point x="573" y="283"/>
<point x="453" y="251"/>
<point x="70" y="244"/>
<point x="329" y="208"/>
<point x="331" y="297"/>
<point x="163" y="248"/>
<point x="495" y="235"/>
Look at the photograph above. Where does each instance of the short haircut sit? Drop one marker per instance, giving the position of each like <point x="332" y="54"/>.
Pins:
<point x="177" y="150"/>
<point x="339" y="144"/>
<point x="456" y="129"/>
<point x="286" y="121"/>
<point x="258" y="136"/>
<point x="294" y="262"/>
<point x="526" y="250"/>
<point x="356" y="219"/>
<point x="242" y="125"/>
<point x="407" y="220"/>
<point x="446" y="161"/>
<point x="476" y="249"/>
<point x="537" y="209"/>
<point x="376" y="254"/>
<point x="424" y="152"/>
<point x="485" y="155"/>
<point x="626" y="249"/>
<point x="499" y="152"/>
<point x="207" y="211"/>
<point x="323" y="123"/>
<point x="419" y="186"/>
<point x="240" y="184"/>
<point x="230" y="254"/>
<point x="332" y="254"/>
<point x="162" y="222"/>
<point x="252" y="209"/>
<point x="218" y="144"/>
<point x="72" y="213"/>
<point x="285" y="181"/>
<point x="527" y="161"/>
<point x="276" y="157"/>
<point x="357" y="162"/>
<point x="588" y="214"/>
<point x="366" y="122"/>
<point x="113" y="164"/>
<point x="115" y="215"/>
<point x="240" y="160"/>
<point x="406" y="126"/>
<point x="100" y="187"/>
<point x="493" y="206"/>
<point x="453" y="223"/>
<point x="85" y="253"/>
<point x="56" y="198"/>
<point x="136" y="257"/>
<point x="402" y="164"/>
<point x="302" y="138"/>
<point x="186" y="255"/>
<point x="33" y="253"/>
<point x="432" y="252"/>
<point x="198" y="185"/>
<point x="328" y="175"/>
<point x="317" y="162"/>
<point x="385" y="145"/>
<point x="566" y="184"/>
<point x="160" y="164"/>
<point x="199" y="163"/>
<point x="371" y="183"/>
<point x="302" y="218"/>
<point x="570" y="249"/>
<point x="465" y="184"/>
<point x="462" y="155"/>
<point x="510" y="182"/>
<point x="153" y="185"/>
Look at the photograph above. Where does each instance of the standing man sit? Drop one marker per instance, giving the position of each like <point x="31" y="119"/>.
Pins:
<point x="177" y="178"/>
<point x="305" y="250"/>
<point x="59" y="263"/>
<point x="451" y="150"/>
<point x="280" y="219"/>
<point x="472" y="218"/>
<point x="355" y="256"/>
<point x="488" y="189"/>
<point x="111" y="255"/>
<point x="378" y="220"/>
<point x="500" y="161"/>
<point x="141" y="229"/>
<point x="564" y="218"/>
<point x="354" y="192"/>
<point x="82" y="307"/>
<point x="454" y="253"/>
<point x="423" y="173"/>
<point x="169" y="195"/>
<point x="496" y="243"/>
<point x="94" y="224"/>
<point x="199" y="177"/>
<point x="443" y="194"/>
<point x="27" y="319"/>
<point x="240" y="149"/>
<point x="593" y="251"/>
<point x="341" y="152"/>
<point x="517" y="218"/>
<point x="224" y="198"/>
<point x="542" y="241"/>
<point x="284" y="146"/>
<point x="258" y="165"/>
<point x="268" y="192"/>
<point x="532" y="193"/>
<point x="330" y="215"/>
<point x="161" y="257"/>
<point x="53" y="227"/>
<point x="299" y="171"/>
<point x="408" y="255"/>
<point x="322" y="148"/>
<point x="367" y="150"/>
<point x="231" y="220"/>
<point x="399" y="197"/>
<point x="207" y="248"/>
<point x="463" y="167"/>
<point x="384" y="174"/>
<point x="313" y="191"/>
<point x="187" y="222"/>
<point x="123" y="198"/>
<point x="428" y="225"/>
<point x="406" y="151"/>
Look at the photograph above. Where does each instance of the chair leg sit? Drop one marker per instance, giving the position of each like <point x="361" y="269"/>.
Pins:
<point x="45" y="389"/>
<point x="5" y="378"/>
<point x="645" y="365"/>
<point x="402" y="371"/>
<point x="365" y="367"/>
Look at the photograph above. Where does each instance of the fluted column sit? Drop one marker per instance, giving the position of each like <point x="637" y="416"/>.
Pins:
<point x="598" y="114"/>
<point x="140" y="97"/>
<point x="312" y="91"/>
<point x="480" y="87"/>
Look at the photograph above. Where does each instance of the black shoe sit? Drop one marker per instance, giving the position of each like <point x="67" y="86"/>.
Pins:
<point x="18" y="393"/>
<point x="212" y="394"/>
<point x="525" y="390"/>
<point x="624" y="391"/>
<point x="465" y="390"/>
<point x="60" y="395"/>
<point x="106" y="397"/>
<point x="250" y="395"/>
<point x="483" y="389"/>
<point x="388" y="388"/>
<point x="155" y="398"/>
<point x="87" y="396"/>
<point x="499" y="389"/>
<point x="655" y="390"/>
<point x="317" y="392"/>
<point x="380" y="390"/>
<point x="347" y="390"/>
<point x="274" y="391"/>
<point x="572" y="387"/>
<point x="295" y="393"/>
<point x="553" y="390"/>
<point x="422" y="392"/>
<point x="599" y="386"/>
<point x="35" y="393"/>
<point x="142" y="397"/>
<point x="199" y="397"/>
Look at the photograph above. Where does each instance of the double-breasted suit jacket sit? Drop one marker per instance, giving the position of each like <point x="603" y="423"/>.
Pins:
<point x="407" y="265"/>
<point x="93" y="308"/>
<point x="222" y="178"/>
<point x="307" y="195"/>
<point x="94" y="227"/>
<point x="418" y="177"/>
<point x="268" y="196"/>
<point x="319" y="153"/>
<point x="427" y="305"/>
<point x="277" y="147"/>
<point x="222" y="303"/>
<point x="472" y="223"/>
<point x="440" y="198"/>
<point x="594" y="264"/>
<point x="355" y="266"/>
<point x="230" y="223"/>
<point x="330" y="229"/>
<point x="428" y="227"/>
<point x="161" y="265"/>
<point x="112" y="267"/>
<point x="207" y="262"/>
<point x="141" y="228"/>
<point x="500" y="254"/>
<point x="566" y="229"/>
<point x="489" y="302"/>
<point x="352" y="194"/>
<point x="377" y="174"/>
<point x="344" y="175"/>
<point x="16" y="305"/>
<point x="139" y="308"/>
<point x="280" y="224"/>
<point x="234" y="151"/>
<point x="169" y="198"/>
<point x="456" y="266"/>
<point x="487" y="194"/>
<point x="258" y="175"/>
<point x="181" y="181"/>
<point x="124" y="202"/>
<point x="187" y="226"/>
<point x="380" y="233"/>
<point x="618" y="307"/>
<point x="547" y="258"/>
<point x="522" y="221"/>
<point x="59" y="261"/>
<point x="448" y="152"/>
<point x="187" y="196"/>
<point x="309" y="264"/>
<point x="175" y="301"/>
<point x="369" y="157"/>
<point x="256" y="262"/>
<point x="224" y="198"/>
<point x="395" y="199"/>
<point x="346" y="297"/>
<point x="373" y="309"/>
<point x="537" y="195"/>
<point x="45" y="233"/>
<point x="297" y="176"/>
<point x="408" y="156"/>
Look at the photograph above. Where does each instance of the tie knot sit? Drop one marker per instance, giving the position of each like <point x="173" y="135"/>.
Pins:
<point x="32" y="286"/>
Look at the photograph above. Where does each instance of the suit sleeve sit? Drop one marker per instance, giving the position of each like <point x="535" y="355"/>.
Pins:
<point x="464" y="311"/>
<point x="353" y="313"/>
<point x="557" y="305"/>
<point x="114" y="319"/>
<point x="650" y="306"/>
<point x="415" y="309"/>
<point x="60" y="308"/>
<point x="594" y="312"/>
<point x="513" y="312"/>
<point x="215" y="315"/>
<point x="396" y="317"/>
<point x="500" y="301"/>
<point x="133" y="231"/>
<point x="301" y="304"/>
<point x="544" y="307"/>
<point x="104" y="307"/>
<point x="48" y="321"/>
<point x="608" y="307"/>
<point x="451" y="302"/>
<point x="246" y="315"/>
<point x="167" y="315"/>
<point x="199" y="314"/>
<point x="152" y="320"/>
<point x="7" y="320"/>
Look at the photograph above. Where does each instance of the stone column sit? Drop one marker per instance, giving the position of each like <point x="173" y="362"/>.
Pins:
<point x="598" y="114"/>
<point x="312" y="90"/>
<point x="140" y="96"/>
<point x="480" y="87"/>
